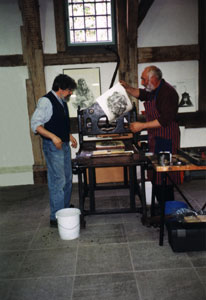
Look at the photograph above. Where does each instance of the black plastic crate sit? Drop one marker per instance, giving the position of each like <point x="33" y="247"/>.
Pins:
<point x="185" y="237"/>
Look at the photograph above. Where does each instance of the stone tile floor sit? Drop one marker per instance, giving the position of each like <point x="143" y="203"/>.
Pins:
<point x="115" y="257"/>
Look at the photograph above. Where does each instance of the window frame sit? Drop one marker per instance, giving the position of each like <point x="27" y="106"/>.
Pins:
<point x="91" y="45"/>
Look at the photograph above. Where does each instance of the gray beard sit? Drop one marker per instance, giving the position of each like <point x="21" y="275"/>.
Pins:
<point x="149" y="87"/>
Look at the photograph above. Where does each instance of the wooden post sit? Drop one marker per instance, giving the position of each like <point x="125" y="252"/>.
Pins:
<point x="36" y="87"/>
<point x="132" y="23"/>
<point x="127" y="20"/>
<point x="122" y="37"/>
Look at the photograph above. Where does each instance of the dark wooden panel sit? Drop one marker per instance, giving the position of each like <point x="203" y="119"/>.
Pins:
<point x="192" y="120"/>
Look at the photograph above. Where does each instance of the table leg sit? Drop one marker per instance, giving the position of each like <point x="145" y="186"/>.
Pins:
<point x="162" y="217"/>
<point x="132" y="188"/>
<point x="125" y="177"/>
<point x="81" y="200"/>
<point x="91" y="189"/>
<point x="86" y="190"/>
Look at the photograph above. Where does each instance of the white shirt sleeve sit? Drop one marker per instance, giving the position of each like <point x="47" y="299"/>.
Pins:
<point x="42" y="113"/>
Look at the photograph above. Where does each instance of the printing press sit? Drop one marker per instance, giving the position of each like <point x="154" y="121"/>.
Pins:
<point x="95" y="129"/>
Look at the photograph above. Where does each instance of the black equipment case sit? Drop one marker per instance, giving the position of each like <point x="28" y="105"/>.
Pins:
<point x="185" y="237"/>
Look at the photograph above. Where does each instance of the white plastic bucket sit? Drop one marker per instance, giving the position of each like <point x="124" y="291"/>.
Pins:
<point x="148" y="193"/>
<point x="68" y="220"/>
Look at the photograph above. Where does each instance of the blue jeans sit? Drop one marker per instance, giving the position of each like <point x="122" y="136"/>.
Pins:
<point x="59" y="175"/>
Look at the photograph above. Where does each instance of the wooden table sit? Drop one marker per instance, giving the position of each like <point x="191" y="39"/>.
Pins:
<point x="165" y="171"/>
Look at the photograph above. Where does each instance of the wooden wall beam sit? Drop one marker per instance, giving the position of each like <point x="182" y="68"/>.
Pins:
<point x="65" y="58"/>
<point x="132" y="21"/>
<point x="168" y="53"/>
<point x="15" y="60"/>
<point x="144" y="55"/>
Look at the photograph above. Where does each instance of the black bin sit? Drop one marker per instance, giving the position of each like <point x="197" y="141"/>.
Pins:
<point x="185" y="237"/>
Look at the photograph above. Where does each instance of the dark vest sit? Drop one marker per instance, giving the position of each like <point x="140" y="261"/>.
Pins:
<point x="59" y="124"/>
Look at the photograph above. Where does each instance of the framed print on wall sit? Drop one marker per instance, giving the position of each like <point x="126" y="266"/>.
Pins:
<point x="188" y="95"/>
<point x="88" y="88"/>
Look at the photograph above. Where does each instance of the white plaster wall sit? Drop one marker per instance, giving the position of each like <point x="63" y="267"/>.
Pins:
<point x="15" y="143"/>
<point x="14" y="121"/>
<point x="10" y="22"/>
<point x="47" y="26"/>
<point x="195" y="137"/>
<point x="16" y="158"/>
<point x="170" y="23"/>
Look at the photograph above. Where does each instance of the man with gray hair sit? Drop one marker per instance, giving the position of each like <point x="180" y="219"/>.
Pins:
<point x="161" y="107"/>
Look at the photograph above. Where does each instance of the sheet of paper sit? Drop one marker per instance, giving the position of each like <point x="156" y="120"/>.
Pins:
<point x="115" y="102"/>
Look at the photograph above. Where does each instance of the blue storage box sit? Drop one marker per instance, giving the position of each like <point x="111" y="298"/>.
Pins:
<point x="172" y="206"/>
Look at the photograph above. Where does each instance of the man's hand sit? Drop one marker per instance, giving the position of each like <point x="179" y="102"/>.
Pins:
<point x="130" y="90"/>
<point x="73" y="141"/>
<point x="137" y="126"/>
<point x="57" y="142"/>
<point x="124" y="84"/>
<point x="47" y="134"/>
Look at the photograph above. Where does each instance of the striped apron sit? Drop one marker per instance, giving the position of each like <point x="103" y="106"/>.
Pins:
<point x="162" y="139"/>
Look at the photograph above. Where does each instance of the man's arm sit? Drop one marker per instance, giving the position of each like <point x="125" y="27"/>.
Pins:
<point x="139" y="126"/>
<point x="47" y="134"/>
<point x="42" y="115"/>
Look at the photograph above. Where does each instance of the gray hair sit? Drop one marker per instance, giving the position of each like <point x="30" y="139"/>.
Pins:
<point x="154" y="71"/>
